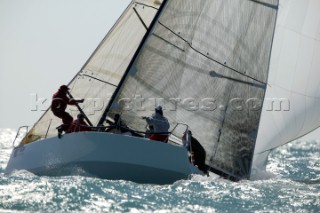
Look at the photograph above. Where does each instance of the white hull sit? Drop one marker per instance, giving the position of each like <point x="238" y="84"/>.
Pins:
<point x="104" y="155"/>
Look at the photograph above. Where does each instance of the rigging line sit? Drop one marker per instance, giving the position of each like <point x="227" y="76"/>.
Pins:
<point x="141" y="20"/>
<point x="222" y="64"/>
<point x="89" y="76"/>
<point x="146" y="5"/>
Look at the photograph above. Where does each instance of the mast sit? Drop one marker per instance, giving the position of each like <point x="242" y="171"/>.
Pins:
<point x="114" y="95"/>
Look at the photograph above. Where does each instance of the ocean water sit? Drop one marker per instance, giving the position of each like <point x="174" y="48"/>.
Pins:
<point x="294" y="187"/>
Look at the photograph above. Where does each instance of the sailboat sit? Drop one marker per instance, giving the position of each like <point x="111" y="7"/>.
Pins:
<point x="214" y="66"/>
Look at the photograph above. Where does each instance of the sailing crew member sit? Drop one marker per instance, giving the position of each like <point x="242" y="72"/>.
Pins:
<point x="198" y="154"/>
<point x="118" y="126"/>
<point x="59" y="103"/>
<point x="159" y="124"/>
<point x="79" y="125"/>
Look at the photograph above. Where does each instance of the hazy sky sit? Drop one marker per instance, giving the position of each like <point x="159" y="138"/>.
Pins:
<point x="43" y="44"/>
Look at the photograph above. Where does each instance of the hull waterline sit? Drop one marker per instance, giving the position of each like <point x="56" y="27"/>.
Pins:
<point x="104" y="155"/>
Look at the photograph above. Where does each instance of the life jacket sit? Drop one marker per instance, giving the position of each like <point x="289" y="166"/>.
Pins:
<point x="60" y="101"/>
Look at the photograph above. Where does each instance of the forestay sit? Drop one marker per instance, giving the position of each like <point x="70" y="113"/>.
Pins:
<point x="206" y="62"/>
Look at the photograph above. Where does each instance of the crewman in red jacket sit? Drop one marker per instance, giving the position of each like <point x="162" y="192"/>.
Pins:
<point x="59" y="103"/>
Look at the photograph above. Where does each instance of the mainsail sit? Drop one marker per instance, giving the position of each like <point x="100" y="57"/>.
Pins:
<point x="99" y="77"/>
<point x="206" y="62"/>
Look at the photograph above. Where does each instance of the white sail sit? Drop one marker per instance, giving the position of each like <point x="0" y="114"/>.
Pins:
<point x="293" y="79"/>
<point x="99" y="77"/>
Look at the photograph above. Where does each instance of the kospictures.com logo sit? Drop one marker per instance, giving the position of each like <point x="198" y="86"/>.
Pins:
<point x="138" y="103"/>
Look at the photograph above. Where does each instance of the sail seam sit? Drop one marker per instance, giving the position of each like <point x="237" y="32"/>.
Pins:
<point x="295" y="92"/>
<point x="212" y="59"/>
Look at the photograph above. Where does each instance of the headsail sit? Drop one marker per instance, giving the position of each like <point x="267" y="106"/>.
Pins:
<point x="291" y="107"/>
<point x="207" y="63"/>
<point x="99" y="77"/>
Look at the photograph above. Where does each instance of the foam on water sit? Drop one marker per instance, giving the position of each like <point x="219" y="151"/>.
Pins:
<point x="6" y="138"/>
<point x="294" y="188"/>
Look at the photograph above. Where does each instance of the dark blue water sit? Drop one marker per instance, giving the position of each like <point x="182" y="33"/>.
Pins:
<point x="295" y="187"/>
